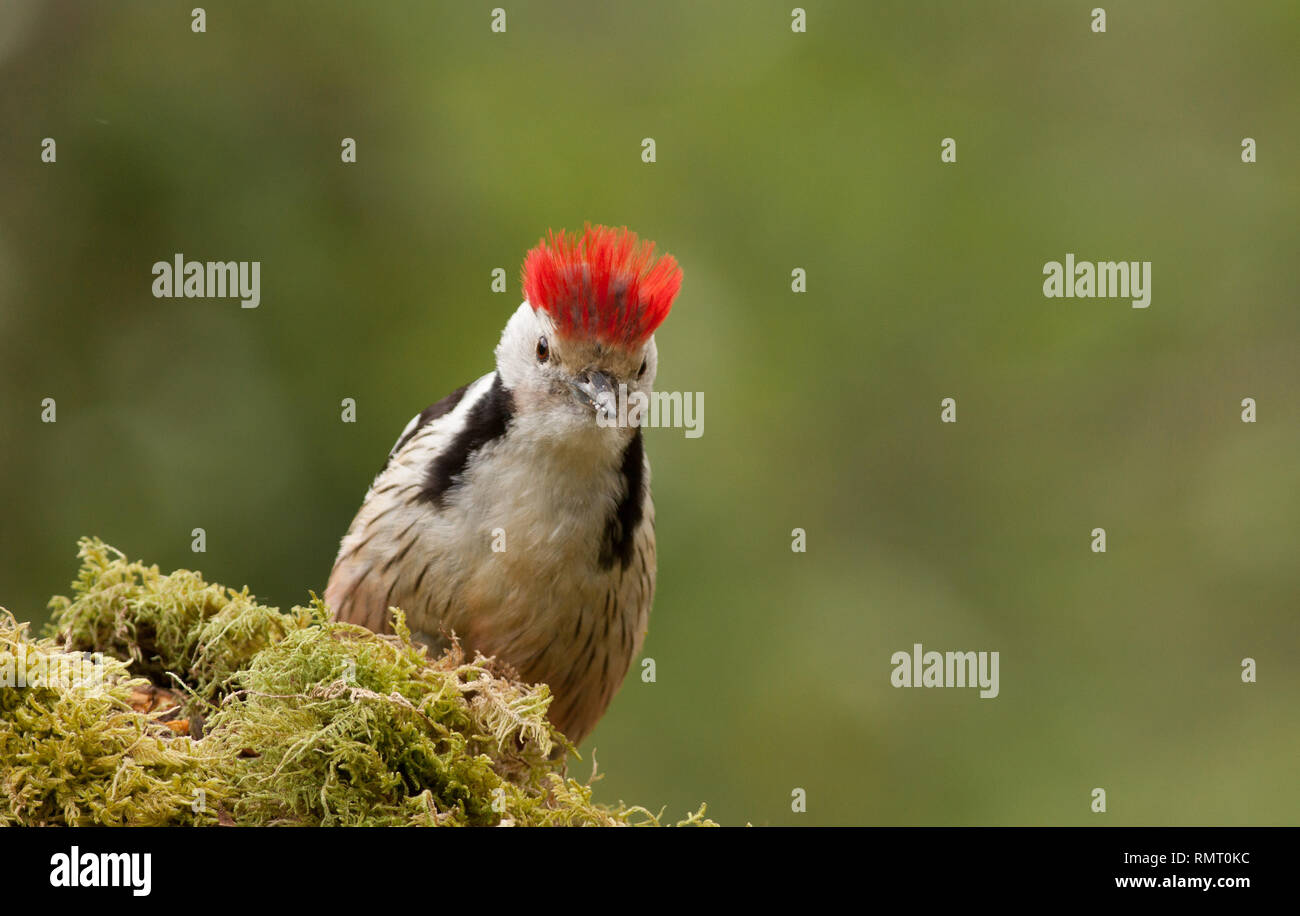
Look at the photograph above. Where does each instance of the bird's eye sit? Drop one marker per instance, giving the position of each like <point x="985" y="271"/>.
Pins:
<point x="640" y="372"/>
<point x="543" y="350"/>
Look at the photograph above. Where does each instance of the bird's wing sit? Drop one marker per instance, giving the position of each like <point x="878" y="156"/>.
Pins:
<point x="363" y="579"/>
<point x="427" y="416"/>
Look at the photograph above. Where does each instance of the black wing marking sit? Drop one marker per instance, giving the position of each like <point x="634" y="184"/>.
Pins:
<point x="620" y="527"/>
<point x="427" y="416"/>
<point x="487" y="420"/>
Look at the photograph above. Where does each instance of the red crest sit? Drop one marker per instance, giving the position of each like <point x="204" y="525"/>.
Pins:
<point x="605" y="284"/>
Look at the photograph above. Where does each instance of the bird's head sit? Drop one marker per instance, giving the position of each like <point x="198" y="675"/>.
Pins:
<point x="592" y="304"/>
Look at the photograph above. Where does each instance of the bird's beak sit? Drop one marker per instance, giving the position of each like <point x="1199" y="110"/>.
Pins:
<point x="594" y="389"/>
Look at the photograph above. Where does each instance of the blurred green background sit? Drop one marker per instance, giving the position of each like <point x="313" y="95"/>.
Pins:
<point x="775" y="151"/>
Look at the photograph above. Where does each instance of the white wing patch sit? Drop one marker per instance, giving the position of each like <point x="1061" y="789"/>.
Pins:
<point x="410" y="427"/>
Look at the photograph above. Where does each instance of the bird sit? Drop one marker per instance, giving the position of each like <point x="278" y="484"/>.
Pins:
<point x="514" y="516"/>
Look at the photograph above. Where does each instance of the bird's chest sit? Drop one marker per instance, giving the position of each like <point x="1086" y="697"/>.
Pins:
<point x="544" y="516"/>
<point x="535" y="519"/>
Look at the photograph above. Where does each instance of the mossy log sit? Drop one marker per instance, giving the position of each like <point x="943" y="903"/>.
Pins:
<point x="166" y="700"/>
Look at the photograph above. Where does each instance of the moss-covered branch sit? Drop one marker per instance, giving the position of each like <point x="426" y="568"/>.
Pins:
<point x="163" y="699"/>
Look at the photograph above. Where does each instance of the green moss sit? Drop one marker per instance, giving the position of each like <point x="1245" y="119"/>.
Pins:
<point x="174" y="623"/>
<point x="305" y="721"/>
<point x="76" y="752"/>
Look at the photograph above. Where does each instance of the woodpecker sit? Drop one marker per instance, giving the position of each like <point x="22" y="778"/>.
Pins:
<point x="507" y="515"/>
